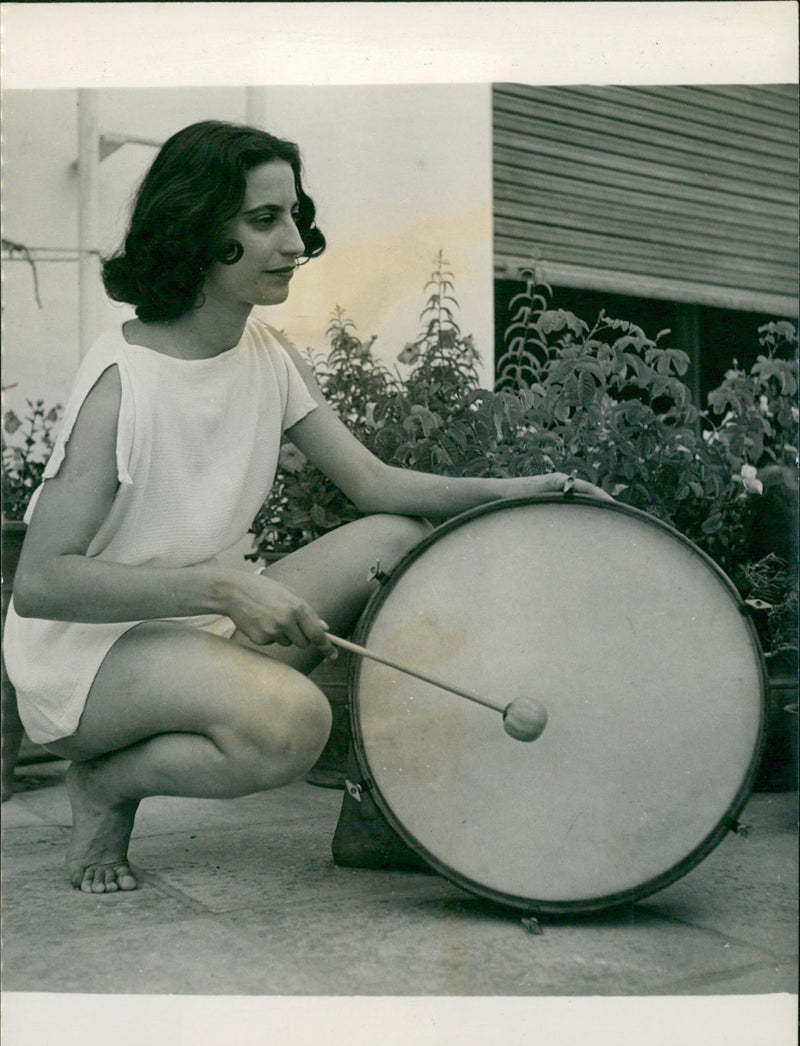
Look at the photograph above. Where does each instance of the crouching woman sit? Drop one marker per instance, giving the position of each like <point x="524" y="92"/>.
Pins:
<point x="135" y="652"/>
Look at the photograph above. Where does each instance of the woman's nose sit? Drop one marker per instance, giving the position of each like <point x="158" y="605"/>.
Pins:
<point x="293" y="241"/>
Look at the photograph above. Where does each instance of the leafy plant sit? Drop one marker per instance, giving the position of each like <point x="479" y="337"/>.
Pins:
<point x="419" y="424"/>
<point x="772" y="592"/>
<point x="609" y="403"/>
<point x="403" y="421"/>
<point x="25" y="456"/>
<point x="355" y="382"/>
<point x="303" y="503"/>
<point x="444" y="363"/>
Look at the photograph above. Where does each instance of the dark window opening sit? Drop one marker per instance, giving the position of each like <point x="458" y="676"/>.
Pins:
<point x="712" y="337"/>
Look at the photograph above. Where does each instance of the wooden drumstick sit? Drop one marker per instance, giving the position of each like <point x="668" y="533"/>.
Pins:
<point x="523" y="719"/>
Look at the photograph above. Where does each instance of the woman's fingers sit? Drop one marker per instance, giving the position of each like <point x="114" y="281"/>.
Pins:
<point x="583" y="487"/>
<point x="313" y="630"/>
<point x="268" y="612"/>
<point x="568" y="484"/>
<point x="296" y="625"/>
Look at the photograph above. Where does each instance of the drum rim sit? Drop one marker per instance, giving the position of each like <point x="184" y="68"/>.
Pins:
<point x="728" y="821"/>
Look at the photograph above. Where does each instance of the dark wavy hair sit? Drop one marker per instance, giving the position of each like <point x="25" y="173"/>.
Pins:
<point x="195" y="185"/>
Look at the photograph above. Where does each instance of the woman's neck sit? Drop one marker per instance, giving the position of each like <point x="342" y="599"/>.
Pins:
<point x="199" y="334"/>
<point x="209" y="330"/>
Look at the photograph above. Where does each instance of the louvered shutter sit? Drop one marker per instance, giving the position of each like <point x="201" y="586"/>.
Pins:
<point x="685" y="193"/>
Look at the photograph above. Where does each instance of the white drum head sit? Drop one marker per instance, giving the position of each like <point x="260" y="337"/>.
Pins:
<point x="650" y="672"/>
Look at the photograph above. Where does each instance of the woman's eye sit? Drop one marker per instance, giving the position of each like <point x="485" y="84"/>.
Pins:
<point x="265" y="220"/>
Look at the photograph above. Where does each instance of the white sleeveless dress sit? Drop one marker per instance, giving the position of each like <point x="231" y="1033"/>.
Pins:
<point x="197" y="450"/>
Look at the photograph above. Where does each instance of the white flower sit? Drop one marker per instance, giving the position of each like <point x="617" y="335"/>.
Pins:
<point x="290" y="458"/>
<point x="748" y="477"/>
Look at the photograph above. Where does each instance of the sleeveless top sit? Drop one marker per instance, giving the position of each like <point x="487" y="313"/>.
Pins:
<point x="196" y="452"/>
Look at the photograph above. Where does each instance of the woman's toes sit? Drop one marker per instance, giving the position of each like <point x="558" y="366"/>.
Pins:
<point x="107" y="879"/>
<point x="99" y="880"/>
<point x="87" y="882"/>
<point x="110" y="880"/>
<point x="125" y="880"/>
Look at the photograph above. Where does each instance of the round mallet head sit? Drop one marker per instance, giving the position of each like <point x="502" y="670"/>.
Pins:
<point x="524" y="719"/>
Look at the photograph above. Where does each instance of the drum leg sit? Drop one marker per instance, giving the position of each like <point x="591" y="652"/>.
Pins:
<point x="363" y="837"/>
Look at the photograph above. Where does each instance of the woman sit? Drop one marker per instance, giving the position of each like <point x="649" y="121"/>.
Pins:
<point x="135" y="654"/>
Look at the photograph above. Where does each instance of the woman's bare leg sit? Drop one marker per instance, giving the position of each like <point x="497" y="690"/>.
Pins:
<point x="335" y="574"/>
<point x="175" y="711"/>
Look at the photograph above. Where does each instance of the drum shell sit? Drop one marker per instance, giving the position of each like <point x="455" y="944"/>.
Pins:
<point x="644" y="761"/>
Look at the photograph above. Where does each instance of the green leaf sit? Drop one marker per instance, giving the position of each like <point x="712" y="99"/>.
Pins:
<point x="552" y="320"/>
<point x="441" y="458"/>
<point x="561" y="412"/>
<point x="587" y="387"/>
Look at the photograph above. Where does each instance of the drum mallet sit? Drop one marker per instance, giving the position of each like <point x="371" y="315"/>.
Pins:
<point x="523" y="719"/>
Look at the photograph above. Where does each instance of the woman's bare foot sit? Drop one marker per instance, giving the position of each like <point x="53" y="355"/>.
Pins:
<point x="97" y="859"/>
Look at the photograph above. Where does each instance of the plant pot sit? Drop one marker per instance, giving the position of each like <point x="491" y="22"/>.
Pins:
<point x="791" y="714"/>
<point x="778" y="769"/>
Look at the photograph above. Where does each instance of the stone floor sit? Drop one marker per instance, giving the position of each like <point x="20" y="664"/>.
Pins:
<point x="241" y="898"/>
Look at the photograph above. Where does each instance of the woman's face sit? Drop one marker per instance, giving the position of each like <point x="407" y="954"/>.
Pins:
<point x="265" y="227"/>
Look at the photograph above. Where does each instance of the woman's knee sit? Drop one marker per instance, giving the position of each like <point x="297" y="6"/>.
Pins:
<point x="277" y="737"/>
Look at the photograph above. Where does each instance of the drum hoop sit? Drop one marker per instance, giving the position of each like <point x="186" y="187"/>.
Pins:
<point x="728" y="821"/>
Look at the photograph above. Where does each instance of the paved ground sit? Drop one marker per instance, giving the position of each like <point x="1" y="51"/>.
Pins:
<point x="242" y="898"/>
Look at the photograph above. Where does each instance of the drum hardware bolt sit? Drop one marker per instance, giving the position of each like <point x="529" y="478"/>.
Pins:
<point x="376" y="574"/>
<point x="524" y="719"/>
<point x="353" y="790"/>
<point x="532" y="925"/>
<point x="738" y="828"/>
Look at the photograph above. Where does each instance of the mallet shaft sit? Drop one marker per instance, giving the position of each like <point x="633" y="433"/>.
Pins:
<point x="354" y="648"/>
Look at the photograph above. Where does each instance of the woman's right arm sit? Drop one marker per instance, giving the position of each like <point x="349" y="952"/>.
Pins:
<point x="56" y="580"/>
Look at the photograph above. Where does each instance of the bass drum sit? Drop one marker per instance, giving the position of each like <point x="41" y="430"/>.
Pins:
<point x="651" y="673"/>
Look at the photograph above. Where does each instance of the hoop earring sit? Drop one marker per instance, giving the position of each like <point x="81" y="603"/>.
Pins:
<point x="233" y="253"/>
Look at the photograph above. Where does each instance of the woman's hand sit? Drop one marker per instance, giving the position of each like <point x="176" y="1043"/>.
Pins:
<point x="555" y="483"/>
<point x="265" y="611"/>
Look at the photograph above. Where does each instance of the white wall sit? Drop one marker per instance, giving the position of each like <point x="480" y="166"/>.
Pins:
<point x="397" y="172"/>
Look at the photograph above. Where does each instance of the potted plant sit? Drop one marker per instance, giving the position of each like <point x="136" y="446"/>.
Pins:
<point x="26" y="446"/>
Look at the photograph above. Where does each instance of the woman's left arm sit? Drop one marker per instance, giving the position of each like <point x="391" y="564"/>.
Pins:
<point x="373" y="486"/>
